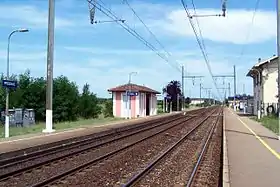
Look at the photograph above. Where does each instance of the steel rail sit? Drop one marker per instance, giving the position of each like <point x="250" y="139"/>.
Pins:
<point x="151" y="165"/>
<point x="4" y="163"/>
<point x="196" y="167"/>
<point x="84" y="143"/>
<point x="62" y="175"/>
<point x="74" y="142"/>
<point x="10" y="174"/>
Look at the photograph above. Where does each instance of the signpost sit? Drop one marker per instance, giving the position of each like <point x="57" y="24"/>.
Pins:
<point x="132" y="93"/>
<point x="9" y="84"/>
<point x="168" y="97"/>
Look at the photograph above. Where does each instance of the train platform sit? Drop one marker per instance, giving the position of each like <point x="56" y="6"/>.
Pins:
<point x="25" y="141"/>
<point x="251" y="153"/>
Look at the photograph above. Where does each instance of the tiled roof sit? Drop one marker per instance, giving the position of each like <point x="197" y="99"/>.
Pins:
<point x="252" y="71"/>
<point x="134" y="87"/>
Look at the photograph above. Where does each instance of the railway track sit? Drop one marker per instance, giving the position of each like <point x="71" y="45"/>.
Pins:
<point x="120" y="164"/>
<point x="25" y="155"/>
<point x="74" y="147"/>
<point x="25" y="174"/>
<point x="207" y="168"/>
<point x="167" y="169"/>
<point x="14" y="156"/>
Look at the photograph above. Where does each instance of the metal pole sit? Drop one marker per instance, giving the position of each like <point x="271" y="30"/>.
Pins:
<point x="128" y="96"/>
<point x="209" y="97"/>
<point x="178" y="102"/>
<point x="278" y="53"/>
<point x="7" y="120"/>
<point x="229" y="89"/>
<point x="183" y="87"/>
<point x="200" y="92"/>
<point x="234" y="88"/>
<point x="49" y="91"/>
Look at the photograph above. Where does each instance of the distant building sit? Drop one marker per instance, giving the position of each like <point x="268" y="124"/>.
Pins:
<point x="143" y="101"/>
<point x="195" y="101"/>
<point x="241" y="102"/>
<point x="265" y="75"/>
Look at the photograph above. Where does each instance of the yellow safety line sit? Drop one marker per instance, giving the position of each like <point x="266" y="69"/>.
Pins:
<point x="259" y="138"/>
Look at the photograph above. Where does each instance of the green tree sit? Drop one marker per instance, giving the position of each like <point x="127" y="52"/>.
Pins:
<point x="68" y="104"/>
<point x="65" y="100"/>
<point x="173" y="90"/>
<point x="88" y="105"/>
<point x="108" y="109"/>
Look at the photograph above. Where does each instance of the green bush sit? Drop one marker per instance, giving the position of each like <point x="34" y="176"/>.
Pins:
<point x="108" y="109"/>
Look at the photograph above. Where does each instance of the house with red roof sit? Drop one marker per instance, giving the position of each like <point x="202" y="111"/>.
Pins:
<point x="132" y="101"/>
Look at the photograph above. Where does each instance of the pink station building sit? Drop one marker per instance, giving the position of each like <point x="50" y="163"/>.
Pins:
<point x="143" y="103"/>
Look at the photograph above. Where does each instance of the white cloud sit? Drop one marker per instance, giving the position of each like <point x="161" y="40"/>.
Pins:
<point x="155" y="73"/>
<point x="29" y="16"/>
<point x="167" y="22"/>
<point x="108" y="51"/>
<point x="233" y="28"/>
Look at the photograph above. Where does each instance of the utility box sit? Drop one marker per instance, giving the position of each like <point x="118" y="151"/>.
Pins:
<point x="12" y="118"/>
<point x="18" y="116"/>
<point x="28" y="117"/>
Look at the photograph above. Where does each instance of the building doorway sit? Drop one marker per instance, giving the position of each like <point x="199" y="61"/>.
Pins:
<point x="148" y="98"/>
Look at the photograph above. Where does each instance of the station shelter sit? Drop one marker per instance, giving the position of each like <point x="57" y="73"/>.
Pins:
<point x="132" y="101"/>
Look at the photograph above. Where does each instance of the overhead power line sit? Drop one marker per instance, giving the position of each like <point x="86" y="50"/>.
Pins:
<point x="148" y="29"/>
<point x="201" y="47"/>
<point x="126" y="27"/>
<point x="224" y="8"/>
<point x="250" y="29"/>
<point x="200" y="33"/>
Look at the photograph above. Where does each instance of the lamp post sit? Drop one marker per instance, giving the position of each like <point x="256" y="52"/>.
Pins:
<point x="128" y="97"/>
<point x="8" y="76"/>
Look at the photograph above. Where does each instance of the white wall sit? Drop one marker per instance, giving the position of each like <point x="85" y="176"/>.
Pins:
<point x="194" y="102"/>
<point x="114" y="103"/>
<point x="153" y="105"/>
<point x="270" y="87"/>
<point x="137" y="105"/>
<point x="142" y="100"/>
<point x="267" y="91"/>
<point x="124" y="111"/>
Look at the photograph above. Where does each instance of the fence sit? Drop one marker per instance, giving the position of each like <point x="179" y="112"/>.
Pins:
<point x="266" y="108"/>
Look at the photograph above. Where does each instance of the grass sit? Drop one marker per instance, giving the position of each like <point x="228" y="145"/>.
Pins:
<point x="269" y="122"/>
<point x="15" y="131"/>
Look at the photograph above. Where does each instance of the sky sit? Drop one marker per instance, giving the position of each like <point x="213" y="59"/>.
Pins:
<point x="104" y="54"/>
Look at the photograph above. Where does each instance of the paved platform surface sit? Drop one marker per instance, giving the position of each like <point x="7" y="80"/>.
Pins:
<point x="30" y="140"/>
<point x="253" y="152"/>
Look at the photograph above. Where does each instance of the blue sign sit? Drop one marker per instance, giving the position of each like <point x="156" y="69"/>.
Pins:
<point x="9" y="84"/>
<point x="132" y="93"/>
<point x="168" y="97"/>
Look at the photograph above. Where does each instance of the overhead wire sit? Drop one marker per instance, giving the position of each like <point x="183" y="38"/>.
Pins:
<point x="109" y="13"/>
<point x="250" y="29"/>
<point x="199" y="29"/>
<point x="147" y="28"/>
<point x="201" y="46"/>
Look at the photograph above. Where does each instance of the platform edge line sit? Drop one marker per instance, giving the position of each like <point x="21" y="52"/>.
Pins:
<point x="226" y="179"/>
<point x="259" y="138"/>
